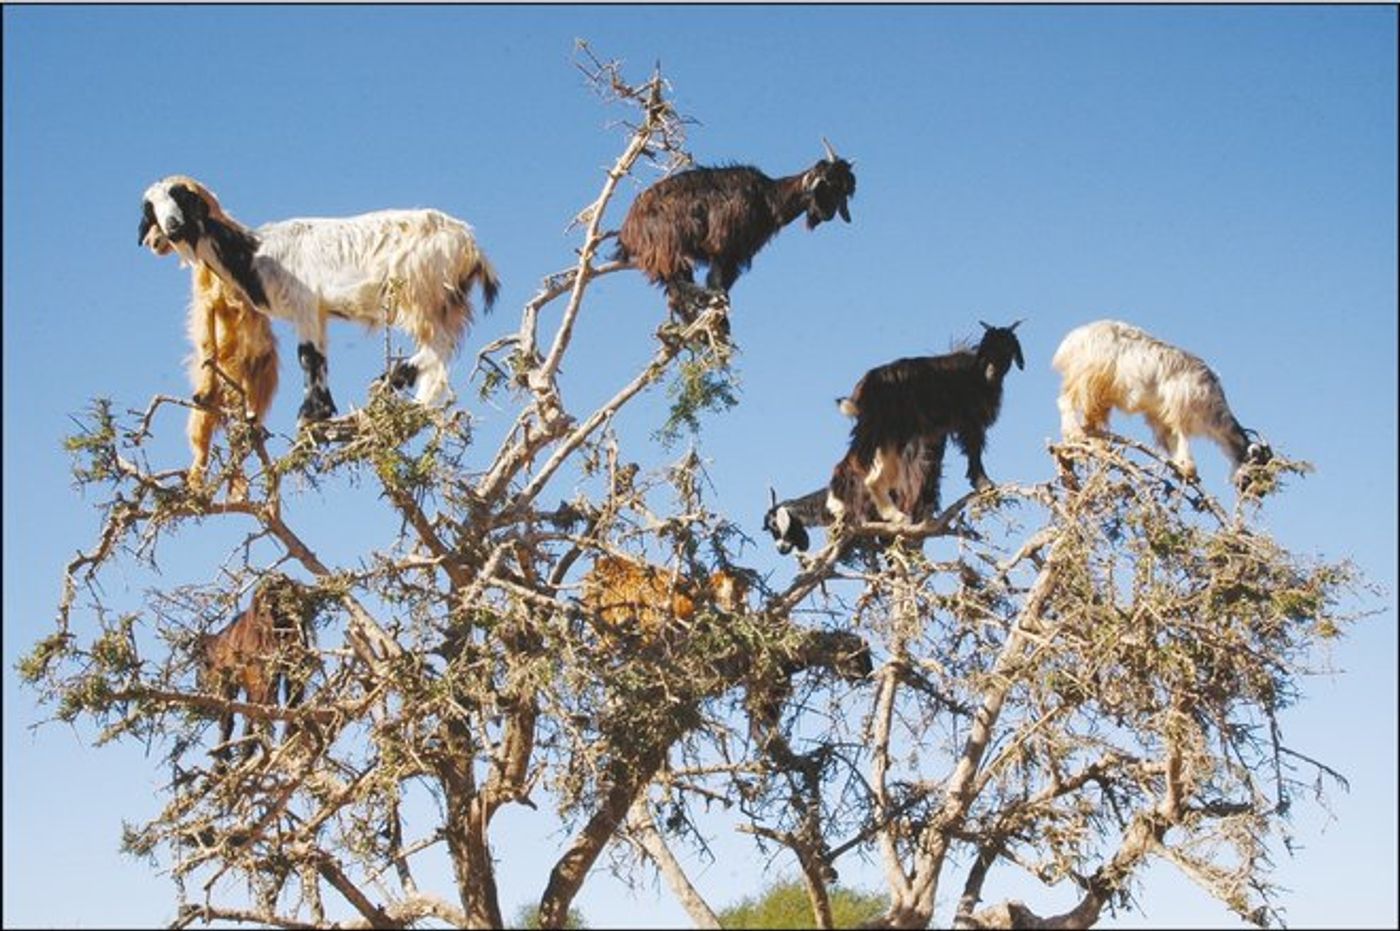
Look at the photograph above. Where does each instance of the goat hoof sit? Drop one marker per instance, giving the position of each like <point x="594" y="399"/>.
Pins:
<point x="317" y="406"/>
<point x="403" y="375"/>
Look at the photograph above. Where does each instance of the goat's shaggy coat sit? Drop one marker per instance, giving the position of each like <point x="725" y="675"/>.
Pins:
<point x="638" y="600"/>
<point x="228" y="335"/>
<point x="905" y="411"/>
<point x="409" y="268"/>
<point x="1108" y="364"/>
<point x="722" y="217"/>
<point x="263" y="652"/>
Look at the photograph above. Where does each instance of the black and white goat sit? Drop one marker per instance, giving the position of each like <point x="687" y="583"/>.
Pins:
<point x="905" y="411"/>
<point x="1108" y="364"/>
<point x="722" y="217"/>
<point x="413" y="267"/>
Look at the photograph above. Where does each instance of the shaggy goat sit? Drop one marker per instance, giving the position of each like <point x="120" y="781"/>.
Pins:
<point x="638" y="599"/>
<point x="905" y="410"/>
<point x="415" y="266"/>
<point x="238" y="340"/>
<point x="1108" y="364"/>
<point x="263" y="652"/>
<point x="722" y="217"/>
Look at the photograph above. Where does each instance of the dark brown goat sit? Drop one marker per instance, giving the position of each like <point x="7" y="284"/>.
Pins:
<point x="722" y="217"/>
<point x="905" y="410"/>
<point x="261" y="653"/>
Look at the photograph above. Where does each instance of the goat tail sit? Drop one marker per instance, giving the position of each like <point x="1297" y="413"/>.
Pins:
<point x="484" y="273"/>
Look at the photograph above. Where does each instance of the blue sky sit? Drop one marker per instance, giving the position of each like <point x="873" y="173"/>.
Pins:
<point x="1223" y="177"/>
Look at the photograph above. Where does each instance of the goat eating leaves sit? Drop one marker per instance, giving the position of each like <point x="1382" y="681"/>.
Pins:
<point x="1108" y="364"/>
<point x="263" y="652"/>
<point x="721" y="217"/>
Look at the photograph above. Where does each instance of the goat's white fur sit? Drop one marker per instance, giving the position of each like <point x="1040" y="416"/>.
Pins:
<point x="1108" y="364"/>
<point x="417" y="264"/>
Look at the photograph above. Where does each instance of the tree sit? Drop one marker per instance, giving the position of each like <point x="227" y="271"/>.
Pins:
<point x="785" y="905"/>
<point x="1069" y="678"/>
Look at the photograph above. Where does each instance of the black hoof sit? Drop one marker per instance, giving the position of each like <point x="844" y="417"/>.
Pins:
<point x="317" y="406"/>
<point x="403" y="375"/>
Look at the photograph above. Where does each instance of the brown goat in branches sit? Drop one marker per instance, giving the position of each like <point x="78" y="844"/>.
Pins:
<point x="263" y="652"/>
<point x="636" y="599"/>
<point x="722" y="217"/>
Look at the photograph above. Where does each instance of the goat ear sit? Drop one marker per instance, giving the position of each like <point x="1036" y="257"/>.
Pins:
<point x="1020" y="360"/>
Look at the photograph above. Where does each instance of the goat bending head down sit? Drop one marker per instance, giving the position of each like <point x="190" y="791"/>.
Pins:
<point x="416" y="266"/>
<point x="1108" y="364"/>
<point x="263" y="652"/>
<point x="642" y="600"/>
<point x="722" y="217"/>
<point x="905" y="411"/>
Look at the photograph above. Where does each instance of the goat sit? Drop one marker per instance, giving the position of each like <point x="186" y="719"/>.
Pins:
<point x="264" y="652"/>
<point x="722" y="217"/>
<point x="905" y="410"/>
<point x="410" y="268"/>
<point x="238" y="340"/>
<point x="1108" y="364"/>
<point x="637" y="599"/>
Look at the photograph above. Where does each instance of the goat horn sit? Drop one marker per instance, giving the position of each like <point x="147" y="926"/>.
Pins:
<point x="986" y="325"/>
<point x="831" y="155"/>
<point x="1017" y="323"/>
<point x="773" y="495"/>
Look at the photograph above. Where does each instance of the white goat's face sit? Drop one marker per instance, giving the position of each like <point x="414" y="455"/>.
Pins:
<point x="173" y="211"/>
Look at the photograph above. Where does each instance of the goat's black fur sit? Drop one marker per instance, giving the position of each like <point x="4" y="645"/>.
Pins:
<point x="928" y="398"/>
<point x="721" y="217"/>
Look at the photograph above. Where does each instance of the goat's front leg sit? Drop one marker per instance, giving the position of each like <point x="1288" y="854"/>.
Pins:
<point x="311" y="354"/>
<point x="972" y="439"/>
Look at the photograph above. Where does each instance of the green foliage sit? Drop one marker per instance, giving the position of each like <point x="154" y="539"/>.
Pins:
<point x="785" y="904"/>
<point x="528" y="916"/>
<point x="701" y="384"/>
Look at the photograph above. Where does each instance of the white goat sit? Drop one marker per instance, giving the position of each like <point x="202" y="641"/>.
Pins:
<point x="1108" y="364"/>
<point x="415" y="266"/>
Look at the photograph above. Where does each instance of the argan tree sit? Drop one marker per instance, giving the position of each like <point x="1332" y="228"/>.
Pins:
<point x="1070" y="678"/>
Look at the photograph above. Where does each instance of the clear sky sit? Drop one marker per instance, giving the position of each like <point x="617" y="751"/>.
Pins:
<point x="1223" y="177"/>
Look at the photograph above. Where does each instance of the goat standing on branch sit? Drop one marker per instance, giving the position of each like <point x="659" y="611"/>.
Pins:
<point x="1108" y="364"/>
<point x="905" y="410"/>
<point x="722" y="217"/>
<point x="264" y="653"/>
<point x="232" y="344"/>
<point x="413" y="267"/>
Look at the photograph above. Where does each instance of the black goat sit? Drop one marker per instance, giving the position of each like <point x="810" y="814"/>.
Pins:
<point x="722" y="217"/>
<point x="905" y="410"/>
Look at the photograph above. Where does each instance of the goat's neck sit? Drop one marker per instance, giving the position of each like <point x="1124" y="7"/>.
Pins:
<point x="789" y="199"/>
<point x="228" y="248"/>
<point x="810" y="508"/>
<point x="1234" y="441"/>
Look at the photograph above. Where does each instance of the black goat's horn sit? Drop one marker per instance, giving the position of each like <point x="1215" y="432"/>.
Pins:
<point x="773" y="494"/>
<point x="986" y="325"/>
<point x="1016" y="324"/>
<point x="831" y="155"/>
